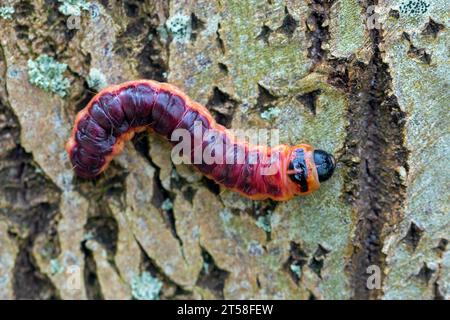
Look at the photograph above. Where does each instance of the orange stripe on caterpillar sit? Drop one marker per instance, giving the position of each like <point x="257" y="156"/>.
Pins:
<point x="116" y="113"/>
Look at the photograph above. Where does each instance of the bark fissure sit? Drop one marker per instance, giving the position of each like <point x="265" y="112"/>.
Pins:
<point x="211" y="276"/>
<point x="375" y="145"/>
<point x="317" y="28"/>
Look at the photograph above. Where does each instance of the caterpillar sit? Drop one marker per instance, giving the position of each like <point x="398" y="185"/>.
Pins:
<point x="116" y="113"/>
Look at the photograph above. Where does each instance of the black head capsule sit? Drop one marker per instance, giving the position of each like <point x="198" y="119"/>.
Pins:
<point x="298" y="171"/>
<point x="325" y="164"/>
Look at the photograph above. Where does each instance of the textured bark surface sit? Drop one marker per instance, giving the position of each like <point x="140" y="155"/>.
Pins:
<point x="377" y="98"/>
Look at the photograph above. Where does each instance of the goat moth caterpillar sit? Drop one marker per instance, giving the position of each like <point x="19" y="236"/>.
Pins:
<point x="116" y="113"/>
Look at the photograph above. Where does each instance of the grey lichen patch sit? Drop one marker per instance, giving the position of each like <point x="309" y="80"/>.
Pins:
<point x="271" y="113"/>
<point x="180" y="27"/>
<point x="6" y="12"/>
<point x="347" y="29"/>
<point x="265" y="222"/>
<point x="73" y="7"/>
<point x="163" y="33"/>
<point x="167" y="205"/>
<point x="254" y="248"/>
<point x="296" y="269"/>
<point x="146" y="287"/>
<point x="225" y="215"/>
<point x="48" y="74"/>
<point x="413" y="14"/>
<point x="96" y="79"/>
<point x="414" y="7"/>
<point x="55" y="267"/>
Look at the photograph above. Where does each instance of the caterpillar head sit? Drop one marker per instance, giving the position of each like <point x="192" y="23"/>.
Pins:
<point x="308" y="167"/>
<point x="325" y="164"/>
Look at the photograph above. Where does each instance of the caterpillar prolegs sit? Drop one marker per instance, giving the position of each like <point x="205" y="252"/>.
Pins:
<point x="116" y="113"/>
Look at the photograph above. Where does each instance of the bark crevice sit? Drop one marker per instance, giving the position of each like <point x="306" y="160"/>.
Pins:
<point x="376" y="150"/>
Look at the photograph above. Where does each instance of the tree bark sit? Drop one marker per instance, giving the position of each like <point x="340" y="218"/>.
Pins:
<point x="364" y="80"/>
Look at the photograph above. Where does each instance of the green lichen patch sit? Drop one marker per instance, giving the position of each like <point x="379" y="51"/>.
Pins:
<point x="73" y="7"/>
<point x="6" y="12"/>
<point x="46" y="73"/>
<point x="146" y="287"/>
